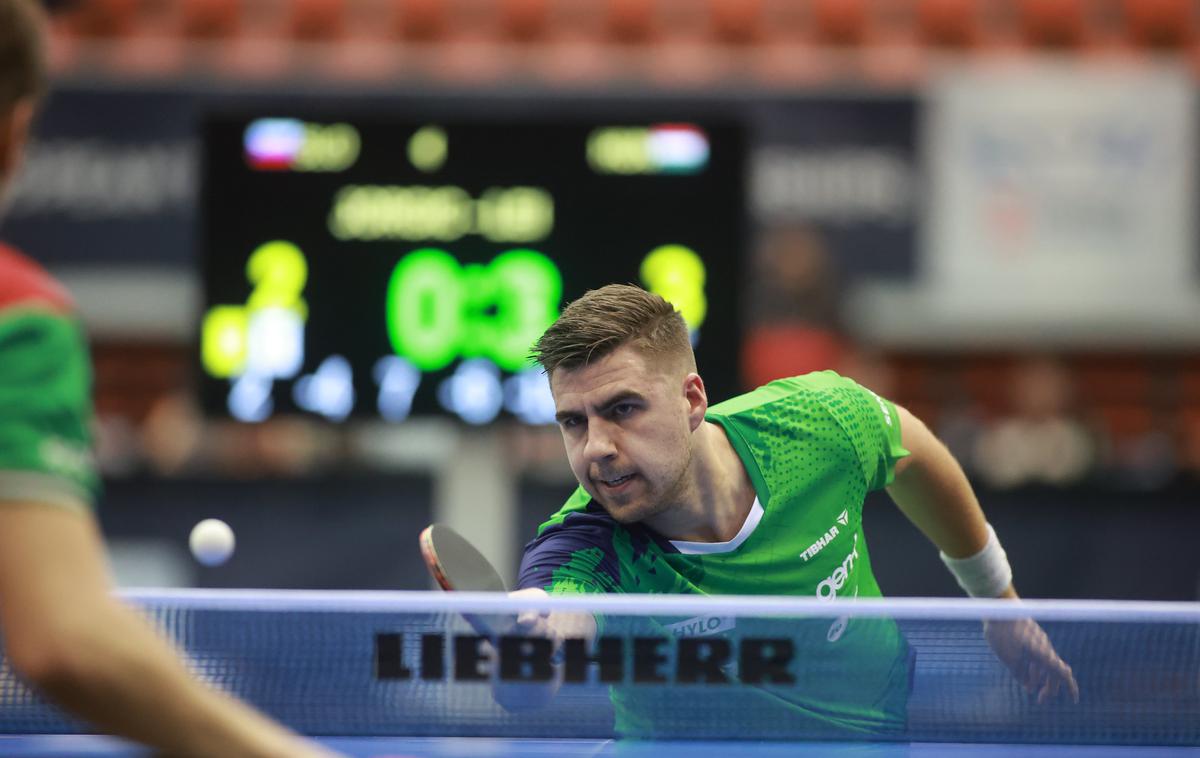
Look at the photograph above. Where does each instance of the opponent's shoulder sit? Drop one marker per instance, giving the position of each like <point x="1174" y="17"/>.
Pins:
<point x="24" y="283"/>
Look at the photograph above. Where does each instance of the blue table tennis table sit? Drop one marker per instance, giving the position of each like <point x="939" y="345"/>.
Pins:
<point x="70" y="746"/>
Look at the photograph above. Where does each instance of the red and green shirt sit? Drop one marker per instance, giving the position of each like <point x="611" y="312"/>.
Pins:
<point x="45" y="391"/>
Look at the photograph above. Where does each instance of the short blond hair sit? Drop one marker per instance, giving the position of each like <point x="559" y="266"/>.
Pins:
<point x="604" y="319"/>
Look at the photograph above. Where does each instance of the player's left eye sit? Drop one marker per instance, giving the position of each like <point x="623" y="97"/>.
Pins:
<point x="623" y="409"/>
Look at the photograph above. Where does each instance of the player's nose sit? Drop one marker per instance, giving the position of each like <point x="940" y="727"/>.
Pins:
<point x="600" y="445"/>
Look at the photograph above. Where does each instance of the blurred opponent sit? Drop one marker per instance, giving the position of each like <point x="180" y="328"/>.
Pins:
<point x="63" y="631"/>
<point x="760" y="494"/>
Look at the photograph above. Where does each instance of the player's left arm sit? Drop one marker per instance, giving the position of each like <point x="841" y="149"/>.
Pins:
<point x="933" y="492"/>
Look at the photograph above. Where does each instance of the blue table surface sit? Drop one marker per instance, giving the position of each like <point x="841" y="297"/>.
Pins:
<point x="66" y="746"/>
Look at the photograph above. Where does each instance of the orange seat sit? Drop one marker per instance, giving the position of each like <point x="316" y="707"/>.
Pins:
<point x="772" y="352"/>
<point x="950" y="24"/>
<point x="102" y="19"/>
<point x="1159" y="23"/>
<point x="265" y="19"/>
<point x="208" y="19"/>
<point x="631" y="21"/>
<point x="524" y="20"/>
<point x="1188" y="378"/>
<point x="421" y="20"/>
<point x="785" y="21"/>
<point x="1114" y="380"/>
<point x="474" y="20"/>
<point x="737" y="22"/>
<point x="1053" y="23"/>
<point x="841" y="22"/>
<point x="1125" y="422"/>
<point x="681" y="19"/>
<point x="316" y="20"/>
<point x="985" y="379"/>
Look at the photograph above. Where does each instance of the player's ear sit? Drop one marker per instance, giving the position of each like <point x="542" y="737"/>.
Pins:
<point x="14" y="131"/>
<point x="697" y="399"/>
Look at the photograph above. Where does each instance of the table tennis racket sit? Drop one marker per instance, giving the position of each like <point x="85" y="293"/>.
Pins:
<point x="456" y="565"/>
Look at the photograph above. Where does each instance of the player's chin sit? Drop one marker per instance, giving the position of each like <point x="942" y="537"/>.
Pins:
<point x="631" y="512"/>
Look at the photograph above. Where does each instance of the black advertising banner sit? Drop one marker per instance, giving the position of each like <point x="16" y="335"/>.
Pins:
<point x="110" y="178"/>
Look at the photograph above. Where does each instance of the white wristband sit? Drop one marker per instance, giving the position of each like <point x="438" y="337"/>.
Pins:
<point x="985" y="574"/>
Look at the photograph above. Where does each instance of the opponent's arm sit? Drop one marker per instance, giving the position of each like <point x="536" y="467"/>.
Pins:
<point x="933" y="492"/>
<point x="95" y="657"/>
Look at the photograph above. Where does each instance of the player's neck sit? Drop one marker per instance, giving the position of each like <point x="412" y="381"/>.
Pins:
<point x="717" y="497"/>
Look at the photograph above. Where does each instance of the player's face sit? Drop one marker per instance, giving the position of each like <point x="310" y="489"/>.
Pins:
<point x="627" y="423"/>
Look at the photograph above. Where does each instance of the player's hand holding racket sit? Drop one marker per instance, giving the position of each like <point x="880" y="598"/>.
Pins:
<point x="456" y="565"/>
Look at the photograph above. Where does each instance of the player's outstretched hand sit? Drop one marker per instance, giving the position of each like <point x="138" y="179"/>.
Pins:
<point x="527" y="696"/>
<point x="1022" y="645"/>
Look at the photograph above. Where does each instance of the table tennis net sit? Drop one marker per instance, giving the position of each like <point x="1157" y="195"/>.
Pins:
<point x="677" y="668"/>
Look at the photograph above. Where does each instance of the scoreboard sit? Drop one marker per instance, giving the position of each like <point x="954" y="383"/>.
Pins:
<point x="371" y="266"/>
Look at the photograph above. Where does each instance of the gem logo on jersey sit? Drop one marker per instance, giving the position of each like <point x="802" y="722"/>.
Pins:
<point x="830" y="585"/>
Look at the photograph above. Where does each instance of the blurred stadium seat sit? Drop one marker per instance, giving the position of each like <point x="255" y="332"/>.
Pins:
<point x="1159" y="24"/>
<point x="574" y="49"/>
<point x="1114" y="379"/>
<point x="682" y="19"/>
<point x="524" y="20"/>
<point x="576" y="20"/>
<point x="631" y="22"/>
<point x="841" y="22"/>
<point x="737" y="22"/>
<point x="949" y="24"/>
<point x="421" y="20"/>
<point x="317" y="20"/>
<point x="788" y="54"/>
<point x="207" y="20"/>
<point x="101" y="19"/>
<point x="1053" y="24"/>
<point x="784" y="20"/>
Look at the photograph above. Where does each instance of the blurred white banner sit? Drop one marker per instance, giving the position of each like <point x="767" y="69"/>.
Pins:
<point x="1060" y="207"/>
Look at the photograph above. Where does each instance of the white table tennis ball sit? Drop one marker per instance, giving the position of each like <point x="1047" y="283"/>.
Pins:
<point x="211" y="542"/>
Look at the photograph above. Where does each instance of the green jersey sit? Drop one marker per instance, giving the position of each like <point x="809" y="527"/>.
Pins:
<point x="813" y="447"/>
<point x="45" y="391"/>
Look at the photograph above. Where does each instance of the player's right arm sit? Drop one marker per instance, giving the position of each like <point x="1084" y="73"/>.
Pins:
<point x="549" y="566"/>
<point x="64" y="632"/>
<point x="72" y="640"/>
<point x="572" y="554"/>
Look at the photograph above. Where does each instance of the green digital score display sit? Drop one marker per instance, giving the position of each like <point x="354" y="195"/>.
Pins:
<point x="390" y="279"/>
<point x="439" y="310"/>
